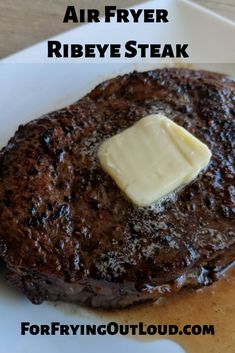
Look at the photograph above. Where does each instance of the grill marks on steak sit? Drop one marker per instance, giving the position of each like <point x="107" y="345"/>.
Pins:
<point x="66" y="230"/>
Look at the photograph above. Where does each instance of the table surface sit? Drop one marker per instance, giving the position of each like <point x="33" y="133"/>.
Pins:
<point x="26" y="22"/>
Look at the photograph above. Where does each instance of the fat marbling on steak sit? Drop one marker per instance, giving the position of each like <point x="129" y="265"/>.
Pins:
<point x="66" y="230"/>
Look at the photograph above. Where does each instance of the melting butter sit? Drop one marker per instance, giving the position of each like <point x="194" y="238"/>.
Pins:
<point x="153" y="158"/>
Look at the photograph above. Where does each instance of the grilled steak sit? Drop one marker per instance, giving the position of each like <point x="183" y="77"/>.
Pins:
<point x="66" y="230"/>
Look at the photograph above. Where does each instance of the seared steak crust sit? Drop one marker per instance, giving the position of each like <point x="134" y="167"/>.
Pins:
<point x="66" y="230"/>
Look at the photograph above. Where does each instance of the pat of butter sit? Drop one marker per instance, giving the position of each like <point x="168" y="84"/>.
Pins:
<point x="153" y="158"/>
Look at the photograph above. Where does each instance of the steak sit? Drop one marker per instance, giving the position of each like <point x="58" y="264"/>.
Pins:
<point x="68" y="233"/>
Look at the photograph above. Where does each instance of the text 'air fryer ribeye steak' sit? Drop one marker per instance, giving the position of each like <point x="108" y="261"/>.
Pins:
<point x="66" y="230"/>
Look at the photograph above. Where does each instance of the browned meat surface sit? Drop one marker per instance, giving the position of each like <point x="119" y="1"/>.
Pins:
<point x="66" y="230"/>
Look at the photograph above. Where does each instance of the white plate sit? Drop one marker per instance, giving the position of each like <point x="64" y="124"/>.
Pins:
<point x="26" y="92"/>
